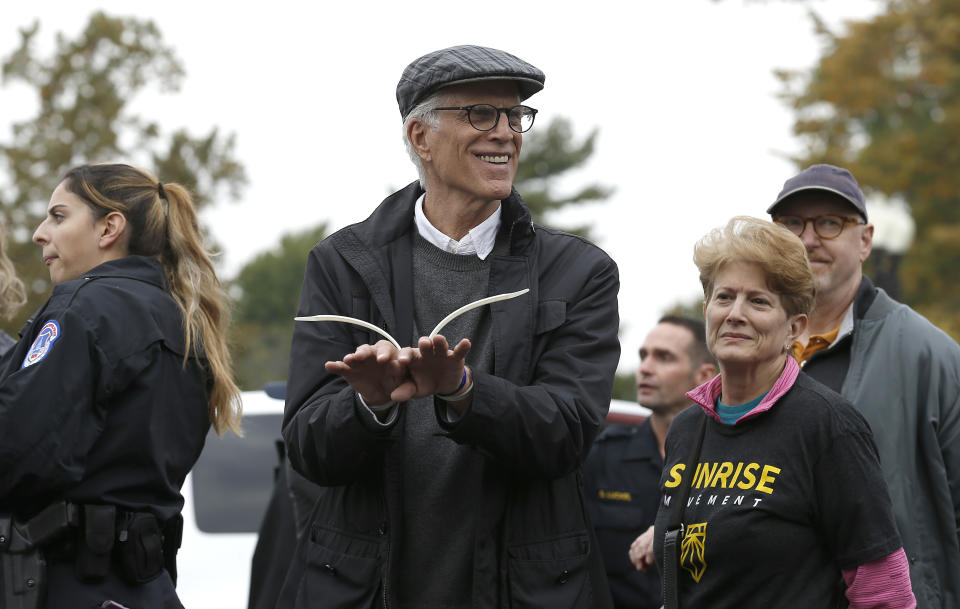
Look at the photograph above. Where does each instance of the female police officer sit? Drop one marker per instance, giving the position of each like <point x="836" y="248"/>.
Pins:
<point x="109" y="395"/>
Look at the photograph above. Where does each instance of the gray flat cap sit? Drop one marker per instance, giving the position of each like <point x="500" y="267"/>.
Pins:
<point x="466" y="63"/>
<point x="828" y="178"/>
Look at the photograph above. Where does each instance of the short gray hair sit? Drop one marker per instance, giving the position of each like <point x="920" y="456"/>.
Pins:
<point x="422" y="112"/>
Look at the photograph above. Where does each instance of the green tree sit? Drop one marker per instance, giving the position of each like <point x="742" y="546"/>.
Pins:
<point x="625" y="386"/>
<point x="548" y="153"/>
<point x="884" y="101"/>
<point x="692" y="308"/>
<point x="84" y="89"/>
<point x="267" y="291"/>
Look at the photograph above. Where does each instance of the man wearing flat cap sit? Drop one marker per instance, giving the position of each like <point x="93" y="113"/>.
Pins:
<point x="450" y="467"/>
<point x="899" y="370"/>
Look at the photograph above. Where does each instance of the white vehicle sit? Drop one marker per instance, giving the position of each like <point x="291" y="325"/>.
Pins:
<point x="227" y="493"/>
<point x="629" y="413"/>
<point x="224" y="500"/>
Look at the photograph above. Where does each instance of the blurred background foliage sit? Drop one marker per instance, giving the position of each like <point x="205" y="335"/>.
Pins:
<point x="84" y="89"/>
<point x="882" y="100"/>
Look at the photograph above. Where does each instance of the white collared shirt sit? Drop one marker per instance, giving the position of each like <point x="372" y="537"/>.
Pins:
<point x="479" y="240"/>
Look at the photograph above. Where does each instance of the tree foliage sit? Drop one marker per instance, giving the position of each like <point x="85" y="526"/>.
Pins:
<point x="84" y="89"/>
<point x="692" y="308"/>
<point x="884" y="101"/>
<point x="269" y="285"/>
<point x="267" y="291"/>
<point x="625" y="386"/>
<point x="549" y="153"/>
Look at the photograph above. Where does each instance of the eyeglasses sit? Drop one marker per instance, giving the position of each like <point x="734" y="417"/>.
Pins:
<point x="826" y="227"/>
<point x="484" y="117"/>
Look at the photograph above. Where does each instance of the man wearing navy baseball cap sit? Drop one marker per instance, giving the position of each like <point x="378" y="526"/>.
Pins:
<point x="450" y="464"/>
<point x="899" y="370"/>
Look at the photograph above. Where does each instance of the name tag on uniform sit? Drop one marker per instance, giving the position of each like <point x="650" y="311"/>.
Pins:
<point x="615" y="495"/>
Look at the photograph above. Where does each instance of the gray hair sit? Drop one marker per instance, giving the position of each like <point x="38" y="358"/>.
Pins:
<point x="422" y="112"/>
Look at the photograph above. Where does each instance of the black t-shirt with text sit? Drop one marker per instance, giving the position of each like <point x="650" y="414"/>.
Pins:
<point x="780" y="503"/>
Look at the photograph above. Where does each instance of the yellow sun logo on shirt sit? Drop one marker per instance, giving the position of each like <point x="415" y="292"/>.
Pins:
<point x="692" y="550"/>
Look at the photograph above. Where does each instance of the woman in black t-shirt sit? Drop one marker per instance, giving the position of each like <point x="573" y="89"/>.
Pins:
<point x="786" y="500"/>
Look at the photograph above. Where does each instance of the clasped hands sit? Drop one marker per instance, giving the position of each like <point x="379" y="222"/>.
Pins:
<point x="381" y="373"/>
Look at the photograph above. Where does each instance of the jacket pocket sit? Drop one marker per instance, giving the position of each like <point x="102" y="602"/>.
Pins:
<point x="550" y="573"/>
<point x="550" y="315"/>
<point x="343" y="570"/>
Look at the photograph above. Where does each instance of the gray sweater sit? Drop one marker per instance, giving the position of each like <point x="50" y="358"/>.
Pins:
<point x="441" y="479"/>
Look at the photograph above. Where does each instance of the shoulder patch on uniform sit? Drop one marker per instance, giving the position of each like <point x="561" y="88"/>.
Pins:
<point x="42" y="344"/>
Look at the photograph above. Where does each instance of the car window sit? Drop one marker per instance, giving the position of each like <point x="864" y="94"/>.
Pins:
<point x="233" y="479"/>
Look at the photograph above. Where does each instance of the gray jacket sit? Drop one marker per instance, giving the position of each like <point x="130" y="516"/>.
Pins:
<point x="904" y="376"/>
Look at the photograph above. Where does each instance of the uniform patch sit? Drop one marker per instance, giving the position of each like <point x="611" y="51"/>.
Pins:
<point x="42" y="344"/>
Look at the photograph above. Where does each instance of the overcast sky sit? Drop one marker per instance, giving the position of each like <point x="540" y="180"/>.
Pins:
<point x="683" y="92"/>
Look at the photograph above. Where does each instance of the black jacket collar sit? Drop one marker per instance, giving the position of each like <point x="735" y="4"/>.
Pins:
<point x="866" y="294"/>
<point x="140" y="268"/>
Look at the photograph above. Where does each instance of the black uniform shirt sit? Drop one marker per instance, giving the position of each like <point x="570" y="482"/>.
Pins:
<point x="622" y="482"/>
<point x="95" y="402"/>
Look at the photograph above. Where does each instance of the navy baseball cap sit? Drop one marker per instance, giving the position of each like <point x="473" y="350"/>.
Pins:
<point x="466" y="63"/>
<point x="832" y="179"/>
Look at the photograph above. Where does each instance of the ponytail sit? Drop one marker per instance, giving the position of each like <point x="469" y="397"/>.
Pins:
<point x="203" y="302"/>
<point x="162" y="223"/>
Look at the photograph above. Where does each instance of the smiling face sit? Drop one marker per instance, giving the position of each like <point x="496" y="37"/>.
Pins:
<point x="836" y="263"/>
<point x="69" y="236"/>
<point x="746" y="322"/>
<point x="666" y="371"/>
<point x="462" y="164"/>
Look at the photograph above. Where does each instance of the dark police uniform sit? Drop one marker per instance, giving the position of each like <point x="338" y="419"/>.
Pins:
<point x="622" y="487"/>
<point x="104" y="413"/>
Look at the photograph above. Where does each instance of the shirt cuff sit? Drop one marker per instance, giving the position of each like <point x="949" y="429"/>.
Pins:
<point x="383" y="414"/>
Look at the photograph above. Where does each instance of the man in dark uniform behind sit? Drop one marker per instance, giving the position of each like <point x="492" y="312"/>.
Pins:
<point x="622" y="473"/>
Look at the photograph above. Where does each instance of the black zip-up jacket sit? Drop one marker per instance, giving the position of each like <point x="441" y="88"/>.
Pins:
<point x="533" y="419"/>
<point x="95" y="402"/>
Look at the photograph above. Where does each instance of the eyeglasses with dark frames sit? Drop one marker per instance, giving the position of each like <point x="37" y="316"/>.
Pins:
<point x="828" y="226"/>
<point x="484" y="117"/>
